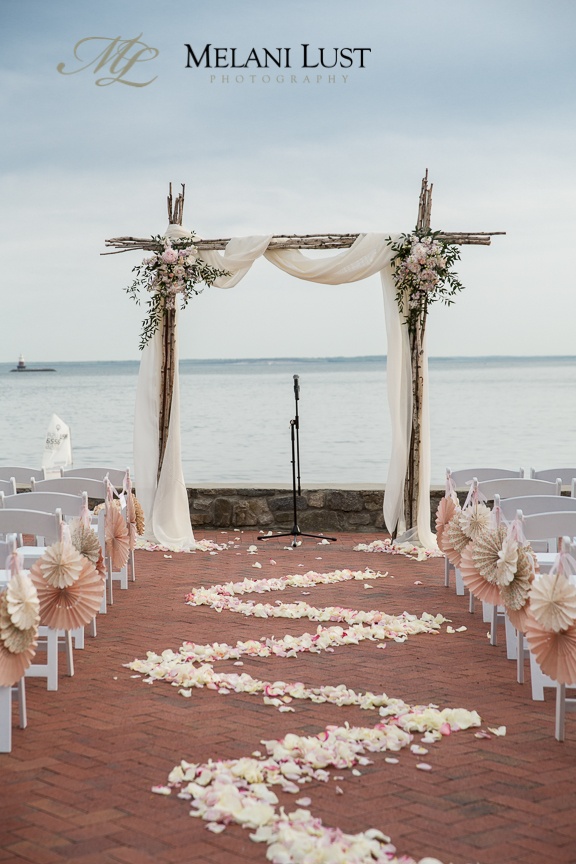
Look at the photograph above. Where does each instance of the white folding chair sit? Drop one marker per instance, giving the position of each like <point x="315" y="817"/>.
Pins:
<point x="563" y="702"/>
<point x="47" y="526"/>
<point x="96" y="491"/>
<point x="120" y="479"/>
<point x="546" y="526"/>
<point x="70" y="506"/>
<point x="546" y="550"/>
<point x="8" y="547"/>
<point x="511" y="487"/>
<point x="8" y="487"/>
<point x="48" y="502"/>
<point x="115" y="475"/>
<point x="21" y="474"/>
<point x="567" y="475"/>
<point x="462" y="479"/>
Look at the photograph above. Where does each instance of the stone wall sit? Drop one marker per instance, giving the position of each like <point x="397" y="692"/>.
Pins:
<point x="318" y="509"/>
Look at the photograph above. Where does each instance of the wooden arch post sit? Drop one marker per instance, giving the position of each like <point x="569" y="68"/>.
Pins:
<point x="175" y="214"/>
<point x="416" y="340"/>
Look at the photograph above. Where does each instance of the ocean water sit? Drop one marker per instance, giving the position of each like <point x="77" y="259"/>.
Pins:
<point x="492" y="411"/>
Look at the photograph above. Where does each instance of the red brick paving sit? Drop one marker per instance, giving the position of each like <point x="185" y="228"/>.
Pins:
<point x="76" y="786"/>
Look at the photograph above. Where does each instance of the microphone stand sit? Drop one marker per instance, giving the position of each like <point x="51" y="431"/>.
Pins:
<point x="295" y="443"/>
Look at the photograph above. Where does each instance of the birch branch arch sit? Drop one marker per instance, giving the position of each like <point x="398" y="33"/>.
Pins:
<point x="157" y="453"/>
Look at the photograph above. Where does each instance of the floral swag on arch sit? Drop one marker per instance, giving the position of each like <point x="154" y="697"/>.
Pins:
<point x="414" y="271"/>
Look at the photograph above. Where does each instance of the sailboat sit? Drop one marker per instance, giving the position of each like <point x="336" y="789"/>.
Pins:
<point x="22" y="367"/>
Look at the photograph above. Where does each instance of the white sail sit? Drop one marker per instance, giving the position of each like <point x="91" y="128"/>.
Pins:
<point x="58" y="446"/>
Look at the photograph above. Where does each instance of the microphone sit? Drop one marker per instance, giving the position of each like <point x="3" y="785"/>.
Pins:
<point x="296" y="386"/>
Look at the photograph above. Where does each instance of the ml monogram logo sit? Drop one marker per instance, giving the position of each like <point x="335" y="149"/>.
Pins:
<point x="117" y="57"/>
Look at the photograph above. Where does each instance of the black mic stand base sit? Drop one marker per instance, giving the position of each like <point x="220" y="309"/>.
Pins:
<point x="294" y="533"/>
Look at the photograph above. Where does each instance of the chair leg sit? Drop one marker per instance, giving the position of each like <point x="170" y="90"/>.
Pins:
<point x="5" y="719"/>
<point x="459" y="582"/>
<point x="132" y="568"/>
<point x="520" y="657"/>
<point x="560" y="711"/>
<point x="78" y="636"/>
<point x="23" y="717"/>
<point x="52" y="659"/>
<point x="69" y="655"/>
<point x="93" y="627"/>
<point x="446" y="573"/>
<point x="109" y="577"/>
<point x="493" y="626"/>
<point x="511" y="639"/>
<point x="471" y="603"/>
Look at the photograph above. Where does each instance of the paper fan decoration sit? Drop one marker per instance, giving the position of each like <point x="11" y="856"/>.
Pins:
<point x="454" y="539"/>
<point x="553" y="602"/>
<point x="485" y="552"/>
<point x="140" y="520"/>
<point x="60" y="565"/>
<point x="519" y="617"/>
<point x="470" y="563"/>
<point x="85" y="540"/>
<point x="117" y="542"/>
<point x="475" y="520"/>
<point x="131" y="520"/>
<point x="555" y="653"/>
<point x="73" y="605"/>
<point x="101" y="566"/>
<point x="444" y="513"/>
<point x="17" y="642"/>
<point x="515" y="594"/>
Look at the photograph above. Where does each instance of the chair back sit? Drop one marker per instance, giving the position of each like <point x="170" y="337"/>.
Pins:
<point x="548" y="526"/>
<point x="8" y="487"/>
<point x="21" y="475"/>
<point x="512" y="487"/>
<point x="48" y="502"/>
<point x="530" y="504"/>
<point x="73" y="486"/>
<point x="567" y="475"/>
<point x="7" y="547"/>
<point x="115" y="475"/>
<point x="46" y="525"/>
<point x="464" y="476"/>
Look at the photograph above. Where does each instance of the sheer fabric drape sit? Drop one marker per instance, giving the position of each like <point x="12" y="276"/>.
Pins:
<point x="165" y="501"/>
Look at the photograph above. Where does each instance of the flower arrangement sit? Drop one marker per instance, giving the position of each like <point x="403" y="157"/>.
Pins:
<point x="175" y="271"/>
<point x="422" y="272"/>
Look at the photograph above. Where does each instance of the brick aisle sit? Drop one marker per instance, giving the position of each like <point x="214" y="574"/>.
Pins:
<point x="76" y="786"/>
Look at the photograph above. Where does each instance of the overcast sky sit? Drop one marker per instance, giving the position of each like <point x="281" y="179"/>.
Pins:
<point x="481" y="94"/>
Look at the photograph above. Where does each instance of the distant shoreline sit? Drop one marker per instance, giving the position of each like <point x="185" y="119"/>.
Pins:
<point x="370" y="358"/>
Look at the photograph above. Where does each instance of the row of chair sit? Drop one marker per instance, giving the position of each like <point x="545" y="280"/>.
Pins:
<point x="546" y="515"/>
<point x="39" y="513"/>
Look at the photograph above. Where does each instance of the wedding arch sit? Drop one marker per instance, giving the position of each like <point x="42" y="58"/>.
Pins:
<point x="414" y="271"/>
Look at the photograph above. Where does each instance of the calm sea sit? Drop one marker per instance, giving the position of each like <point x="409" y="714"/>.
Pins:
<point x="493" y="411"/>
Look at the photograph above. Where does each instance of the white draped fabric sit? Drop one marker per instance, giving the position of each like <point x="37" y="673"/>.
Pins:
<point x="165" y="502"/>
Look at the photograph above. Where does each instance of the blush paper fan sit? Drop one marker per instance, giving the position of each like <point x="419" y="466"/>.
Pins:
<point x="555" y="653"/>
<point x="476" y="583"/>
<point x="444" y="513"/>
<point x="553" y="601"/>
<point x="454" y="539"/>
<point x="17" y="647"/>
<point x="74" y="605"/>
<point x="117" y="540"/>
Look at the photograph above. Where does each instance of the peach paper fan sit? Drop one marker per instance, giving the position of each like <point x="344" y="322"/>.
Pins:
<point x="444" y="513"/>
<point x="454" y="540"/>
<point x="117" y="540"/>
<point x="480" y="587"/>
<point x="14" y="661"/>
<point x="555" y="653"/>
<point x="553" y="601"/>
<point x="72" y="606"/>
